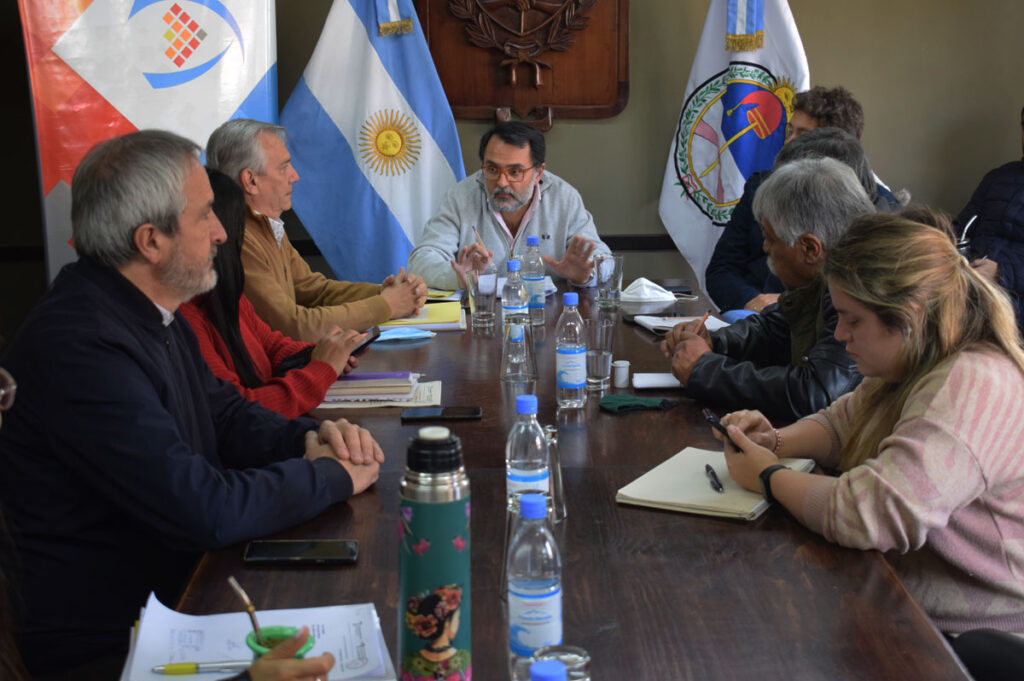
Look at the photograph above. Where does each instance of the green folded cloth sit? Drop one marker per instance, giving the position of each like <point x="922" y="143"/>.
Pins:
<point x="621" y="402"/>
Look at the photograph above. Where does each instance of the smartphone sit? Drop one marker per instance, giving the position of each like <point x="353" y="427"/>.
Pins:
<point x="711" y="418"/>
<point x="298" y="552"/>
<point x="372" y="334"/>
<point x="442" y="413"/>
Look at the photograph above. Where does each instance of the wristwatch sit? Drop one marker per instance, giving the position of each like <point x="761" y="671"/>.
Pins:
<point x="766" y="481"/>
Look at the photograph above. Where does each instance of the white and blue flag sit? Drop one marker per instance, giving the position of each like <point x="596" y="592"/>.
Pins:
<point x="372" y="137"/>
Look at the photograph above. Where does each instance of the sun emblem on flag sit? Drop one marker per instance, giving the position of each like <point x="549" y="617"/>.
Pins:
<point x="731" y="127"/>
<point x="389" y="142"/>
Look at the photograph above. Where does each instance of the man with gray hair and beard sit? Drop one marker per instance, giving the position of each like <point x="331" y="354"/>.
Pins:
<point x="124" y="458"/>
<point x="511" y="197"/>
<point x="785" y="362"/>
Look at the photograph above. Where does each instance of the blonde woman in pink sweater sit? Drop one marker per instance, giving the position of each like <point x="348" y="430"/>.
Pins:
<point x="930" y="447"/>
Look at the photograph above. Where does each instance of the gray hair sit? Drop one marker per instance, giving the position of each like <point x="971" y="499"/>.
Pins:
<point x="126" y="182"/>
<point x="235" y="146"/>
<point x="818" y="196"/>
<point x="831" y="143"/>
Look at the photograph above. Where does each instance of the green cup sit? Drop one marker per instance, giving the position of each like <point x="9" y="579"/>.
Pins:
<point x="276" y="635"/>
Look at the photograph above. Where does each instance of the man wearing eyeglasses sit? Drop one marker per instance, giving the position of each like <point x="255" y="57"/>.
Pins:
<point x="488" y="216"/>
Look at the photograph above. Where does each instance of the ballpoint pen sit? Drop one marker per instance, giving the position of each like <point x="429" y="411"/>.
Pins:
<point x="716" y="484"/>
<point x="224" y="667"/>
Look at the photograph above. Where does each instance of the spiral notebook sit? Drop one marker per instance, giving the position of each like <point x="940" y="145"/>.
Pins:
<point x="682" y="484"/>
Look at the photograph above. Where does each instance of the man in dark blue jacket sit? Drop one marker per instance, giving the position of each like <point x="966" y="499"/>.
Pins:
<point x="996" y="237"/>
<point x="124" y="457"/>
<point x="737" y="276"/>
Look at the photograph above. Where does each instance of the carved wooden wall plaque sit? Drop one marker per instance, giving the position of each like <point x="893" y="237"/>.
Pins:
<point x="540" y="59"/>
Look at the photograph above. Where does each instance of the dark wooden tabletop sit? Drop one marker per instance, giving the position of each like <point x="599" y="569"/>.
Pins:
<point x="650" y="594"/>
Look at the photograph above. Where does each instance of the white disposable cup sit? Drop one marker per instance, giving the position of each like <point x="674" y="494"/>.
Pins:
<point x="620" y="373"/>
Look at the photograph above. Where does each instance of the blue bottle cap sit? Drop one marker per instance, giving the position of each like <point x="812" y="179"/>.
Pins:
<point x="513" y="265"/>
<point x="533" y="240"/>
<point x="526" y="404"/>
<point x="515" y="333"/>
<point x="571" y="298"/>
<point x="548" y="670"/>
<point x="533" y="506"/>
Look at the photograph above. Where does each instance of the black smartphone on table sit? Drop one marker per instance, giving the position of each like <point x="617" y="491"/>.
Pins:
<point x="297" y="552"/>
<point x="415" y="414"/>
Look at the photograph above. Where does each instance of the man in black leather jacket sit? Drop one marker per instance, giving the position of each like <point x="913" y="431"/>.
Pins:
<point x="786" y="361"/>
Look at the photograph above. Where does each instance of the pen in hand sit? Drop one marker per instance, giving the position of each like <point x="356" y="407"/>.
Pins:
<point x="716" y="484"/>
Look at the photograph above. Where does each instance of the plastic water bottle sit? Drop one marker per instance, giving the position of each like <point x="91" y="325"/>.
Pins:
<point x="570" y="355"/>
<point x="527" y="459"/>
<point x="533" y="275"/>
<point x="518" y="360"/>
<point x="534" y="586"/>
<point x="513" y="297"/>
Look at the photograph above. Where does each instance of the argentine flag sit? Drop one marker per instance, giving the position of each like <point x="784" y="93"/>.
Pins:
<point x="372" y="137"/>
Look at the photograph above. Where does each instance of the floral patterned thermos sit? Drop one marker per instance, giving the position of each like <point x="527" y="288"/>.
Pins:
<point x="433" y="531"/>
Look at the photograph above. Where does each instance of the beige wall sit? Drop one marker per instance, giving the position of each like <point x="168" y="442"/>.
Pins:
<point x="940" y="82"/>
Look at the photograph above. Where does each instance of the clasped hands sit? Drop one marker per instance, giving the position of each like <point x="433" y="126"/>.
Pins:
<point x="684" y="344"/>
<point x="405" y="293"/>
<point x="353" y="447"/>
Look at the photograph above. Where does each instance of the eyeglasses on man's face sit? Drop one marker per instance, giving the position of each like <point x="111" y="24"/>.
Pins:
<point x="7" y="389"/>
<point x="512" y="173"/>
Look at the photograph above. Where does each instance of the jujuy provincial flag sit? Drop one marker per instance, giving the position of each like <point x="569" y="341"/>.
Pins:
<point x="739" y="98"/>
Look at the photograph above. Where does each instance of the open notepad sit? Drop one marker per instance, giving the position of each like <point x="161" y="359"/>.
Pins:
<point x="437" y="316"/>
<point x="682" y="484"/>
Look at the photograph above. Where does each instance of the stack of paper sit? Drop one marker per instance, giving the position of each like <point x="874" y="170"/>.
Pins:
<point x="349" y="632"/>
<point x="682" y="484"/>
<point x="373" y="385"/>
<point x="437" y="316"/>
<point x="665" y="324"/>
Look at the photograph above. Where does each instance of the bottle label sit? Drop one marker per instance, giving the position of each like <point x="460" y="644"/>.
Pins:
<point x="535" y="290"/>
<point x="570" y="367"/>
<point x="518" y="482"/>
<point x="534" y="620"/>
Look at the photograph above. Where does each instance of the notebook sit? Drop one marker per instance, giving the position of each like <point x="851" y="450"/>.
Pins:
<point x="437" y="316"/>
<point x="681" y="484"/>
<point x="665" y="324"/>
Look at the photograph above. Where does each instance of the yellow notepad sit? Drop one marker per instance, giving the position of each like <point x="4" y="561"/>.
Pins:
<point x="681" y="484"/>
<point x="447" y="315"/>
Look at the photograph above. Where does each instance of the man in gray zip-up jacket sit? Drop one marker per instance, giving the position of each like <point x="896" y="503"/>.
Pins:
<point x="511" y="197"/>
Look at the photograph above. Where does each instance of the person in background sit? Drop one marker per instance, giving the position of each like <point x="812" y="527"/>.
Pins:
<point x="928" y="447"/>
<point x="283" y="290"/>
<point x="737" y="276"/>
<point x="11" y="666"/>
<point x="285" y="375"/>
<point x="785" y="362"/>
<point x="124" y="457"/>
<point x="996" y="237"/>
<point x="510" y="197"/>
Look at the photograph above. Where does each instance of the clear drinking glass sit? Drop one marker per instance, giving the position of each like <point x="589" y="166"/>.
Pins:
<point x="609" y="279"/>
<point x="483" y="290"/>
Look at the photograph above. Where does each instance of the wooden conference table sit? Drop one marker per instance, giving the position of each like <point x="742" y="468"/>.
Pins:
<point x="652" y="595"/>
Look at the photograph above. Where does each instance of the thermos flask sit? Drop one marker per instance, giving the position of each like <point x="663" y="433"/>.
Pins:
<point x="434" y="592"/>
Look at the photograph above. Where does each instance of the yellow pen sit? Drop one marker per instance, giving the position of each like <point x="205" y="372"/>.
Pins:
<point x="226" y="666"/>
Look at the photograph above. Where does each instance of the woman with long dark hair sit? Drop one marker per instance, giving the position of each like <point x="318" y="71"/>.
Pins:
<point x="282" y="374"/>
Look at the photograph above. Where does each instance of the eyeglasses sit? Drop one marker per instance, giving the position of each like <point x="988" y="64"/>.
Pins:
<point x="7" y="389"/>
<point x="513" y="173"/>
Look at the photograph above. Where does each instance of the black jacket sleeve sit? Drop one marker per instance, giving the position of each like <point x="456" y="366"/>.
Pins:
<point x="749" y="368"/>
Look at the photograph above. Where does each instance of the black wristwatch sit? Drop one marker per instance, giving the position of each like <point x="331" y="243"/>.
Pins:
<point x="766" y="481"/>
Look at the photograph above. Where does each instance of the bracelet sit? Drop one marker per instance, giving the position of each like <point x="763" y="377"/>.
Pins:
<point x="778" y="441"/>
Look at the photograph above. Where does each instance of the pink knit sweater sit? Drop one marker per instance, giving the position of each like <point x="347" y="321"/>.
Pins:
<point x="944" y="497"/>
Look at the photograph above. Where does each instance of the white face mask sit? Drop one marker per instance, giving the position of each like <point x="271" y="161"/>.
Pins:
<point x="645" y="291"/>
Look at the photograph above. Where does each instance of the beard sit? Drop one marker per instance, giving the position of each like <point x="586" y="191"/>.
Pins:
<point x="506" y="200"/>
<point x="189" y="279"/>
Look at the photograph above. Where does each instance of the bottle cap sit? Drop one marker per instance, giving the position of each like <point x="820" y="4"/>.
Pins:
<point x="513" y="266"/>
<point x="571" y="298"/>
<point x="548" y="670"/>
<point x="515" y="332"/>
<point x="533" y="506"/>
<point x="526" y="404"/>
<point x="533" y="240"/>
<point x="434" y="450"/>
